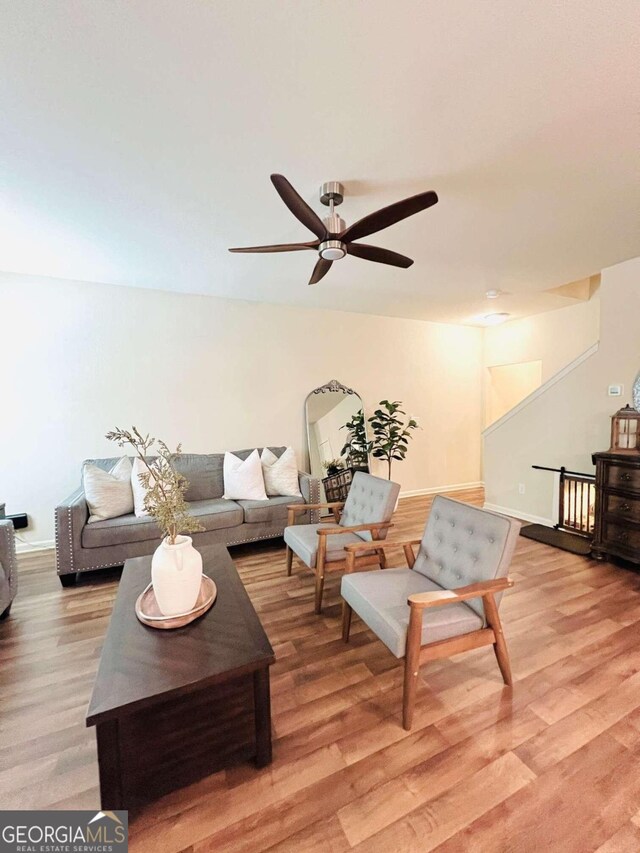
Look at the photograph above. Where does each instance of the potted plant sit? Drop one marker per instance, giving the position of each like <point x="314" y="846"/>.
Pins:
<point x="176" y="566"/>
<point x="356" y="448"/>
<point x="391" y="432"/>
<point x="333" y="467"/>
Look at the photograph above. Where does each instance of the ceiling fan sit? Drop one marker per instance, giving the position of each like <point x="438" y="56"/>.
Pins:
<point x="334" y="238"/>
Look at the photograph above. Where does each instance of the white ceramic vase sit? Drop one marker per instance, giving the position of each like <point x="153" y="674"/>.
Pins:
<point x="176" y="572"/>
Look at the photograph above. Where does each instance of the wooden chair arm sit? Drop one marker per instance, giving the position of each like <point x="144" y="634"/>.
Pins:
<point x="421" y="600"/>
<point x="357" y="528"/>
<point x="380" y="546"/>
<point x="298" y="508"/>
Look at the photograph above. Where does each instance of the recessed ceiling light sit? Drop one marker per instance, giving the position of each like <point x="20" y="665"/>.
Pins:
<point x="495" y="319"/>
<point x="493" y="294"/>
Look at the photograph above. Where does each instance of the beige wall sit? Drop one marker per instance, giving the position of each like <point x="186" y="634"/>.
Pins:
<point x="555" y="337"/>
<point x="508" y="384"/>
<point x="571" y="419"/>
<point x="215" y="374"/>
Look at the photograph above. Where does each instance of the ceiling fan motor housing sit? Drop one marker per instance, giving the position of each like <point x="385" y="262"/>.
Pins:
<point x="332" y="250"/>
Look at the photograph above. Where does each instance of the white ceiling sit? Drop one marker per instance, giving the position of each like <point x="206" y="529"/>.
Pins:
<point x="137" y="139"/>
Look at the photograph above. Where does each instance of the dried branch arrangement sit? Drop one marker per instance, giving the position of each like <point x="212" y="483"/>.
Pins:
<point x="165" y="487"/>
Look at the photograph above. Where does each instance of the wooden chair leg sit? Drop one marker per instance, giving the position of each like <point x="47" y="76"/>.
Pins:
<point x="319" y="590"/>
<point x="321" y="557"/>
<point x="289" y="560"/>
<point x="500" y="645"/>
<point x="411" y="667"/>
<point x="346" y="621"/>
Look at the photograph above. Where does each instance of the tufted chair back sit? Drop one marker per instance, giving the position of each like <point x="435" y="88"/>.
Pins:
<point x="463" y="544"/>
<point x="370" y="499"/>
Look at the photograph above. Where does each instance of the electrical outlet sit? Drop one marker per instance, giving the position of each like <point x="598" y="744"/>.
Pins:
<point x="521" y="489"/>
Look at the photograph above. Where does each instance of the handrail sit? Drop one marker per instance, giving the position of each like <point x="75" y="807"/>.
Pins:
<point x="563" y="470"/>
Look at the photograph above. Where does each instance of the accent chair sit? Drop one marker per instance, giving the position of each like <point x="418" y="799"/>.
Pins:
<point x="8" y="567"/>
<point x="447" y="601"/>
<point x="365" y="516"/>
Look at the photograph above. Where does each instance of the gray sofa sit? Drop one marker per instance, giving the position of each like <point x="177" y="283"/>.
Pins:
<point x="82" y="547"/>
<point x="8" y="567"/>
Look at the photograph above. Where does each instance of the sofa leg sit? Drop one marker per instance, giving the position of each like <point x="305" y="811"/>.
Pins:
<point x="319" y="590"/>
<point x="346" y="621"/>
<point x="289" y="561"/>
<point x="5" y="613"/>
<point x="68" y="580"/>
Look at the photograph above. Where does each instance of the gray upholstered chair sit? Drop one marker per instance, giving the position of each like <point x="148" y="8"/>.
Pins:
<point x="8" y="567"/>
<point x="363" y="517"/>
<point x="447" y="601"/>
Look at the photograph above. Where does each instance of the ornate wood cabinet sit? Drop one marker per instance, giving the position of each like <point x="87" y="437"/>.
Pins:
<point x="617" y="530"/>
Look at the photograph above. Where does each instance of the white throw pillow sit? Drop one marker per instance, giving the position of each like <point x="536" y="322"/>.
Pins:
<point x="108" y="493"/>
<point x="139" y="491"/>
<point x="281" y="474"/>
<point x="243" y="480"/>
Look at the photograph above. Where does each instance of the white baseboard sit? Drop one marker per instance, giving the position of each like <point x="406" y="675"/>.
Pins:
<point x="438" y="490"/>
<point x="517" y="513"/>
<point x="24" y="546"/>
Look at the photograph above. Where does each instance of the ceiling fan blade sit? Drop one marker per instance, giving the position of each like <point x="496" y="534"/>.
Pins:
<point x="387" y="216"/>
<point x="320" y="270"/>
<point x="380" y="256"/>
<point x="282" y="247"/>
<point x="298" y="206"/>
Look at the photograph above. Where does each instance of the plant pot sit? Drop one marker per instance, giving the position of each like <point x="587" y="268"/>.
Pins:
<point x="176" y="572"/>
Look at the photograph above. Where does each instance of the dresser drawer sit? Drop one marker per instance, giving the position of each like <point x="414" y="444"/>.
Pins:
<point x="621" y="477"/>
<point x="622" y="507"/>
<point x="618" y="536"/>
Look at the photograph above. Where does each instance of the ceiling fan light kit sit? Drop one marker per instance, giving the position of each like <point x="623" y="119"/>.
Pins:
<point x="495" y="319"/>
<point x="335" y="238"/>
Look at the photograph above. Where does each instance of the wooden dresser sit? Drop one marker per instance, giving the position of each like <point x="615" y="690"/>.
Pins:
<point x="617" y="523"/>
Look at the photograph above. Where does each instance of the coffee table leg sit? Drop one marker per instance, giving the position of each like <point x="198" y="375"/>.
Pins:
<point x="107" y="737"/>
<point x="262" y="707"/>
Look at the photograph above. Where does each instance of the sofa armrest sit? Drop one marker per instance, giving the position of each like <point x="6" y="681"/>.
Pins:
<point x="310" y="488"/>
<point x="71" y="516"/>
<point x="8" y="564"/>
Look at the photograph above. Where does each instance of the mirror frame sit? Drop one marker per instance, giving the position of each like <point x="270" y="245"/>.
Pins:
<point x="332" y="387"/>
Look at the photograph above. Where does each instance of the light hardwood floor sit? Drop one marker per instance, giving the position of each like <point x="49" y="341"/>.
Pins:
<point x="551" y="764"/>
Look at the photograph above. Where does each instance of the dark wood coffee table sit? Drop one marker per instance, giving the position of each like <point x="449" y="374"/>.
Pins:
<point x="170" y="707"/>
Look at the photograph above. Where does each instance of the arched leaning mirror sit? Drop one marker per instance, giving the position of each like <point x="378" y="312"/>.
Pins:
<point x="337" y="437"/>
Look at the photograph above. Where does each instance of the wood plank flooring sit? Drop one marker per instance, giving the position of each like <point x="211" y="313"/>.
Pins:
<point x="551" y="764"/>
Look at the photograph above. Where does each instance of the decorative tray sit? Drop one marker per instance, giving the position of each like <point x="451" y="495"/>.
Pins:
<point x="148" y="612"/>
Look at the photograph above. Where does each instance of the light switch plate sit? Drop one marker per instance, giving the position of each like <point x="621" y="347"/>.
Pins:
<point x="615" y="390"/>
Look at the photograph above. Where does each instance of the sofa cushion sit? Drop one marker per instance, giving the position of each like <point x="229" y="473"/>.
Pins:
<point x="271" y="511"/>
<point x="380" y="598"/>
<point x="203" y="472"/>
<point x="303" y="541"/>
<point x="212" y="514"/>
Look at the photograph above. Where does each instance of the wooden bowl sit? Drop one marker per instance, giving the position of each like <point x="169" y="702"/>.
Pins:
<point x="148" y="612"/>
